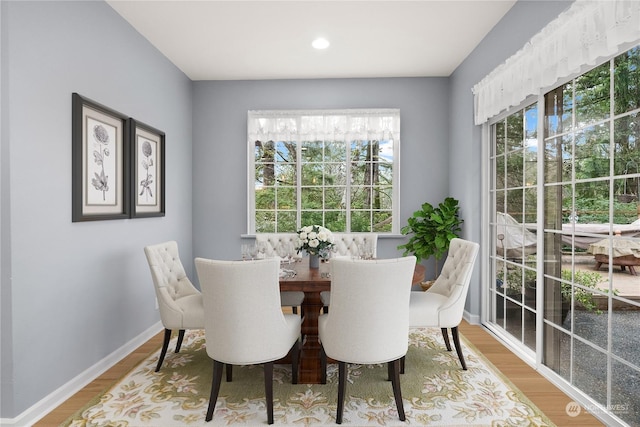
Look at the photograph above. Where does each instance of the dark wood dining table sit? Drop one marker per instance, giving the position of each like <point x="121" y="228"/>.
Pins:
<point x="312" y="282"/>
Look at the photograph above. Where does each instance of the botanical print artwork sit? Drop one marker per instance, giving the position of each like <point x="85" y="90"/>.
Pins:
<point x="147" y="152"/>
<point x="101" y="163"/>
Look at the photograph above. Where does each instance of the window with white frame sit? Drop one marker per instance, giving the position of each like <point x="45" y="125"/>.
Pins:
<point x="336" y="168"/>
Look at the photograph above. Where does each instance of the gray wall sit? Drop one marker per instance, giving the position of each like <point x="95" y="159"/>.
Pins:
<point x="525" y="19"/>
<point x="72" y="293"/>
<point x="220" y="145"/>
<point x="76" y="292"/>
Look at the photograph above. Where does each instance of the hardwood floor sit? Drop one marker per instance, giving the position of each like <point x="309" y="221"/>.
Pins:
<point x="541" y="392"/>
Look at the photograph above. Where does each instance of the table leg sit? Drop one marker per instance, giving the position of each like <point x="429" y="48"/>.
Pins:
<point x="310" y="354"/>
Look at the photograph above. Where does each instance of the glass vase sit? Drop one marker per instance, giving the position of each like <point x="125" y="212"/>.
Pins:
<point x="314" y="261"/>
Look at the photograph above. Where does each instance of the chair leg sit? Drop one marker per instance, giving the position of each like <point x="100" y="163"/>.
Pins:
<point x="402" y="363"/>
<point x="215" y="388"/>
<point x="268" y="390"/>
<point x="180" y="338"/>
<point x="445" y="335"/>
<point x="165" y="345"/>
<point x="342" y="388"/>
<point x="323" y="365"/>
<point x="394" y="370"/>
<point x="229" y="372"/>
<point x="295" y="360"/>
<point x="456" y="342"/>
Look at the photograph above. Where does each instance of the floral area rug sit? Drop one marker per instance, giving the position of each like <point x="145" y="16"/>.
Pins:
<point x="435" y="390"/>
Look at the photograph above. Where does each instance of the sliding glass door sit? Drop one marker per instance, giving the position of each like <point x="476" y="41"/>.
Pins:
<point x="514" y="216"/>
<point x="565" y="234"/>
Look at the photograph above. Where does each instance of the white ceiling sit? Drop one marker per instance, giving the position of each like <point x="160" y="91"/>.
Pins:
<point x="250" y="40"/>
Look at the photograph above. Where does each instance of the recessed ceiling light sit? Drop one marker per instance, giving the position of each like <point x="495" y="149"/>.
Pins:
<point x="320" y="43"/>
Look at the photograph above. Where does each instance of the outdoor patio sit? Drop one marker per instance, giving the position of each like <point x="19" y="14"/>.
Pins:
<point x="624" y="282"/>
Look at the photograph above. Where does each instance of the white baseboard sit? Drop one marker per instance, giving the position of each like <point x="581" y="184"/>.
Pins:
<point x="473" y="319"/>
<point x="55" y="399"/>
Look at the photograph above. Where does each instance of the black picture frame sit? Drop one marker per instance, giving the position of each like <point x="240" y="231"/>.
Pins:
<point x="147" y="169"/>
<point x="100" y="162"/>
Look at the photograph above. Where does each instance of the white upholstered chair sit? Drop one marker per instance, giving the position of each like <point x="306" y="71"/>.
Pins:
<point x="369" y="319"/>
<point x="442" y="305"/>
<point x="179" y="302"/>
<point x="349" y="245"/>
<point x="271" y="243"/>
<point x="244" y="324"/>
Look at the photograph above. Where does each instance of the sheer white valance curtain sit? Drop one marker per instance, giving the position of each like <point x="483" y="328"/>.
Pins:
<point x="320" y="125"/>
<point x="588" y="30"/>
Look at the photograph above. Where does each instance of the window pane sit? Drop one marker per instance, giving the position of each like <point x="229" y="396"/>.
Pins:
<point x="514" y="205"/>
<point x="312" y="151"/>
<point x="500" y="172"/>
<point x="592" y="152"/>
<point x="264" y="151"/>
<point x="592" y="202"/>
<point x="624" y="327"/>
<point x="312" y="217"/>
<point x="382" y="221"/>
<point x="559" y="110"/>
<point x="266" y="198"/>
<point x="515" y="169"/>
<point x="501" y="204"/>
<point x="515" y="131"/>
<point x="265" y="221"/>
<point x="286" y="198"/>
<point x="360" y="221"/>
<point x="625" y="203"/>
<point x="336" y="220"/>
<point x="530" y="207"/>
<point x="626" y="159"/>
<point x="335" y="151"/>
<point x="553" y="160"/>
<point x="590" y="371"/>
<point x="567" y="157"/>
<point x="312" y="173"/>
<point x="265" y="174"/>
<point x="627" y="81"/>
<point x="312" y="198"/>
<point x="334" y="198"/>
<point x="286" y="222"/>
<point x="500" y="137"/>
<point x="360" y="197"/>
<point x="361" y="151"/>
<point x="285" y="152"/>
<point x="382" y="197"/>
<point x="624" y="392"/>
<point x="285" y="174"/>
<point x="592" y="95"/>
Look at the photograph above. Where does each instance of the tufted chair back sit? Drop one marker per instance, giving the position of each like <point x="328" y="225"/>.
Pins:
<point x="172" y="287"/>
<point x="348" y="243"/>
<point x="443" y="304"/>
<point x="272" y="241"/>
<point x="453" y="282"/>
<point x="179" y="302"/>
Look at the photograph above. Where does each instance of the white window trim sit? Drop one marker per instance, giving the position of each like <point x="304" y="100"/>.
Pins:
<point x="390" y="130"/>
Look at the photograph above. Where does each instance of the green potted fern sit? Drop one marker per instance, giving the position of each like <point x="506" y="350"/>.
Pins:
<point x="431" y="230"/>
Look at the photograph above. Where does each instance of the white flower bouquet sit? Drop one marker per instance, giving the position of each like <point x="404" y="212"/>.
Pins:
<point x="315" y="240"/>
